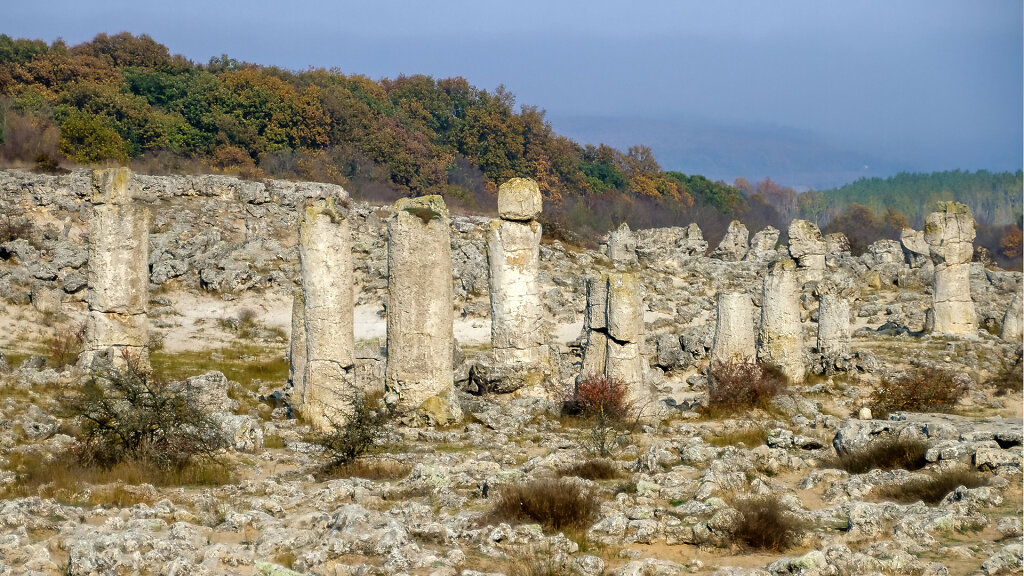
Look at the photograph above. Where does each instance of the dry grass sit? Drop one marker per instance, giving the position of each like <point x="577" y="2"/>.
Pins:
<point x="749" y="437"/>
<point x="933" y="489"/>
<point x="243" y="363"/>
<point x="555" y="504"/>
<point x="596" y="469"/>
<point x="889" y="454"/>
<point x="766" y="525"/>
<point x="65" y="479"/>
<point x="366" y="469"/>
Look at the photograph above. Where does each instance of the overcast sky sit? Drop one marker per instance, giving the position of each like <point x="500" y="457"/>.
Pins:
<point x="927" y="84"/>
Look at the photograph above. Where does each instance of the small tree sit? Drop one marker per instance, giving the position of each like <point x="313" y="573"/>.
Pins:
<point x="603" y="403"/>
<point x="360" y="434"/>
<point x="128" y="416"/>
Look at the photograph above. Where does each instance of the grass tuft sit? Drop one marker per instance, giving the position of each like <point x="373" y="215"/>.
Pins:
<point x="766" y="525"/>
<point x="555" y="504"/>
<point x="596" y="469"/>
<point x="889" y="454"/>
<point x="933" y="489"/>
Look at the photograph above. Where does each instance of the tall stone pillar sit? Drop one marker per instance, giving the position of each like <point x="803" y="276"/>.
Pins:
<point x="807" y="247"/>
<point x="834" y="325"/>
<point x="297" y="351"/>
<point x="513" y="257"/>
<point x="118" y="273"/>
<point x="1012" y="320"/>
<point x="325" y="256"/>
<point x="734" y="330"/>
<point x="419" y="378"/>
<point x="780" y="338"/>
<point x="950" y="237"/>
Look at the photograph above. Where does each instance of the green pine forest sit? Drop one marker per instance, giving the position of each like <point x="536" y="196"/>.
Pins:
<point x="125" y="99"/>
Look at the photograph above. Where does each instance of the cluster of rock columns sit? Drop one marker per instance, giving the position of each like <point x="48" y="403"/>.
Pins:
<point x="950" y="237"/>
<point x="734" y="329"/>
<point x="780" y="337"/>
<point x="419" y="377"/>
<point x="327" y="386"/>
<point x="116" y="329"/>
<point x="513" y="257"/>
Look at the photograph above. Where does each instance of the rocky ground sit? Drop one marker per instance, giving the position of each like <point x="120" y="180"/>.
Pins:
<point x="223" y="265"/>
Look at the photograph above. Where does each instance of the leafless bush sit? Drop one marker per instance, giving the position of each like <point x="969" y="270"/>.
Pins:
<point x="555" y="504"/>
<point x="735" y="386"/>
<point x="766" y="525"/>
<point x="363" y="431"/>
<point x="926" y="389"/>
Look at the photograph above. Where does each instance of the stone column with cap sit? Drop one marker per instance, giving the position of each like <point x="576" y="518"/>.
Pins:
<point x="780" y="337"/>
<point x="325" y="257"/>
<point x="117" y="327"/>
<point x="1012" y="320"/>
<point x="734" y="329"/>
<point x="950" y="237"/>
<point x="419" y="377"/>
<point x="513" y="257"/>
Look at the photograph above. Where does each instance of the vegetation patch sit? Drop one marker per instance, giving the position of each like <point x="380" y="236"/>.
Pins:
<point x="926" y="389"/>
<point x="595" y="469"/>
<point x="361" y="433"/>
<point x="749" y="437"/>
<point x="889" y="454"/>
<point x="243" y="363"/>
<point x="601" y="407"/>
<point x="933" y="489"/>
<point x="766" y="525"/>
<point x="553" y="503"/>
<point x="737" y="386"/>
<point x="366" y="469"/>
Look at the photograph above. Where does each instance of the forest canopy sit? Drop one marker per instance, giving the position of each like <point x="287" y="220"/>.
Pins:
<point x="126" y="99"/>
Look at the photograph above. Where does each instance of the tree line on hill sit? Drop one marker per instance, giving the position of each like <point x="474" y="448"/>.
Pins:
<point x="126" y="99"/>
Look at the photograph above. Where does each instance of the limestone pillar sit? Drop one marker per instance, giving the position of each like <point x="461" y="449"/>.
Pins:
<point x="950" y="237"/>
<point x="834" y="325"/>
<point x="622" y="247"/>
<point x="1012" y="320"/>
<point x="780" y="338"/>
<point x="297" y="351"/>
<point x="734" y="329"/>
<point x="614" y="327"/>
<point x="734" y="245"/>
<point x="118" y="272"/>
<point x="513" y="257"/>
<point x="419" y="379"/>
<point x="807" y="247"/>
<point x="325" y="256"/>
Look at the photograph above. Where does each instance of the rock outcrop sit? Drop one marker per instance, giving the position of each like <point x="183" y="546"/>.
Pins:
<point x="325" y="256"/>
<point x="118" y="278"/>
<point x="419" y="376"/>
<point x="807" y="247"/>
<point x="762" y="245"/>
<point x="950" y="237"/>
<point x="780" y="337"/>
<point x="733" y="246"/>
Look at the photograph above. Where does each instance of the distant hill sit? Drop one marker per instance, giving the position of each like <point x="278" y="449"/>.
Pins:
<point x="994" y="198"/>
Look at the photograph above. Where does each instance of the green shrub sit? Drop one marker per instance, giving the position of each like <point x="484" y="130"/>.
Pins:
<point x="362" y="432"/>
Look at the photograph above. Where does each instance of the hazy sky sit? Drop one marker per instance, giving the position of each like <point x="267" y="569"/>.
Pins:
<point x="925" y="84"/>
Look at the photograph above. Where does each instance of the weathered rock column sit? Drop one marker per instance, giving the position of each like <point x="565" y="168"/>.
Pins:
<point x="734" y="329"/>
<point x="834" y="325"/>
<point x="807" y="247"/>
<point x="1012" y="320"/>
<point x="297" y="351"/>
<point x="419" y="379"/>
<point x="734" y="245"/>
<point x="325" y="256"/>
<point x="950" y="237"/>
<point x="118" y="273"/>
<point x="595" y="327"/>
<point x="622" y="247"/>
<point x="780" y="338"/>
<point x="625" y="321"/>
<point x="513" y="256"/>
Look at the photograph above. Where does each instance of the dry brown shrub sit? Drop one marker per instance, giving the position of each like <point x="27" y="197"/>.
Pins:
<point x="933" y="489"/>
<point x="554" y="503"/>
<point x="889" y="454"/>
<point x="926" y="389"/>
<point x="766" y="525"/>
<point x="735" y="386"/>
<point x="594" y="469"/>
